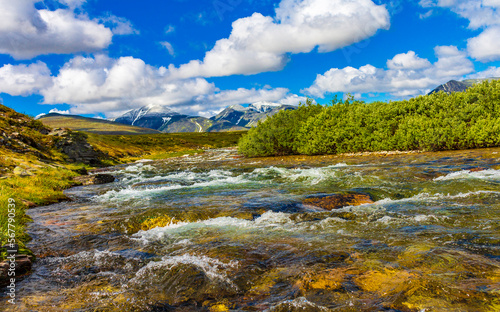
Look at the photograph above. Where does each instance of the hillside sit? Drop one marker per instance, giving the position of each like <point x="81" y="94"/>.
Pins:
<point x="458" y="86"/>
<point x="92" y="125"/>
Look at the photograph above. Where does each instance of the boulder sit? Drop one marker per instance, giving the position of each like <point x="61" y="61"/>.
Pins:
<point x="95" y="179"/>
<point x="18" y="171"/>
<point x="23" y="266"/>
<point x="336" y="201"/>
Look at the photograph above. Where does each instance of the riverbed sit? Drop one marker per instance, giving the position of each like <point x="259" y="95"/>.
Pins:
<point x="217" y="232"/>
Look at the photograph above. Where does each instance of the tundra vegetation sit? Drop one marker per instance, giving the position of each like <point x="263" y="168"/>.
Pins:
<point x="435" y="122"/>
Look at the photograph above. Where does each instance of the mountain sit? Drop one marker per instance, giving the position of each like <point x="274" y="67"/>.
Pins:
<point x="250" y="115"/>
<point x="233" y="118"/>
<point x="450" y="87"/>
<point x="150" y="116"/>
<point x="92" y="125"/>
<point x="458" y="86"/>
<point x="182" y="123"/>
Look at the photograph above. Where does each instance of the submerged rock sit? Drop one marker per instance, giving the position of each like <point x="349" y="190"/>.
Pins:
<point x="95" y="179"/>
<point x="176" y="280"/>
<point x="335" y="201"/>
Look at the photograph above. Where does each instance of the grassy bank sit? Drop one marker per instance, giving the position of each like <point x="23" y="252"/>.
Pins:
<point x="34" y="172"/>
<point x="126" y="148"/>
<point x="435" y="122"/>
<point x="92" y="125"/>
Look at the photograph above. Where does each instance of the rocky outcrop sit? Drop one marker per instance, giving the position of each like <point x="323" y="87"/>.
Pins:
<point x="95" y="179"/>
<point x="75" y="146"/>
<point x="335" y="201"/>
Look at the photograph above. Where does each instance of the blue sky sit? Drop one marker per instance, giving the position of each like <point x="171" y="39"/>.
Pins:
<point x="101" y="58"/>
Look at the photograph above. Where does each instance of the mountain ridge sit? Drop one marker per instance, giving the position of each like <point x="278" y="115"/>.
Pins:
<point x="459" y="86"/>
<point x="232" y="118"/>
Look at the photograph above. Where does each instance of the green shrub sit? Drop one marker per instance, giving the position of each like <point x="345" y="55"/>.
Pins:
<point x="433" y="122"/>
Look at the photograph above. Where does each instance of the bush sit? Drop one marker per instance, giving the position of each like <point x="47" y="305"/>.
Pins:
<point x="433" y="122"/>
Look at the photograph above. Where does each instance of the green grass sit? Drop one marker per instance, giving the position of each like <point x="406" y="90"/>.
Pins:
<point x="93" y="125"/>
<point x="124" y="148"/>
<point x="44" y="187"/>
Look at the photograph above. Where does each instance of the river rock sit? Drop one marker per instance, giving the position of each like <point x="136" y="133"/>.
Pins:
<point x="180" y="283"/>
<point x="95" y="179"/>
<point x="336" y="201"/>
<point x="477" y="169"/>
<point x="23" y="266"/>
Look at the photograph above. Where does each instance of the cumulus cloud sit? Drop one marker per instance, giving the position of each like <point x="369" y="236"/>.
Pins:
<point x="112" y="86"/>
<point x="482" y="14"/>
<point x="262" y="43"/>
<point x="492" y="71"/>
<point x="486" y="46"/>
<point x="407" y="75"/>
<point x="24" y="79"/>
<point x="62" y="112"/>
<point x="26" y="32"/>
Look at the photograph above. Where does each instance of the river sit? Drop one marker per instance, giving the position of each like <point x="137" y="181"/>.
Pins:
<point x="215" y="232"/>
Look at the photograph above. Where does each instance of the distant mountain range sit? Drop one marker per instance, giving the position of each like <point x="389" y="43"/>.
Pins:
<point x="235" y="117"/>
<point x="458" y="86"/>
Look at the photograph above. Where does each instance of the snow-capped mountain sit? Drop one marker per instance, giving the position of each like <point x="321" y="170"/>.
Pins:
<point x="235" y="117"/>
<point x="150" y="116"/>
<point x="248" y="116"/>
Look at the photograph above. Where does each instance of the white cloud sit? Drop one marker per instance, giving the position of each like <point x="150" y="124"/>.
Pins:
<point x="26" y="32"/>
<point x="426" y="14"/>
<point x="294" y="100"/>
<point x="72" y="4"/>
<point x="486" y="46"/>
<point x="62" y="112"/>
<point x="169" y="29"/>
<point x="261" y="43"/>
<point x="407" y="61"/>
<point x="119" y="25"/>
<point x="407" y="75"/>
<point x="482" y="14"/>
<point x="24" y="79"/>
<point x="491" y="72"/>
<point x="167" y="45"/>
<point x="112" y="86"/>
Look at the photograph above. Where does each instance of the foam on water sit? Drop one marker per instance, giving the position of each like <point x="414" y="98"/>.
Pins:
<point x="311" y="176"/>
<point x="176" y="181"/>
<point x="213" y="268"/>
<point x="299" y="304"/>
<point x="141" y="174"/>
<point x="268" y="219"/>
<point x="490" y="175"/>
<point x="429" y="197"/>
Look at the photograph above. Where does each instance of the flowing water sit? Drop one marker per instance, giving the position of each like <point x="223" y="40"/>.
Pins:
<point x="214" y="232"/>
